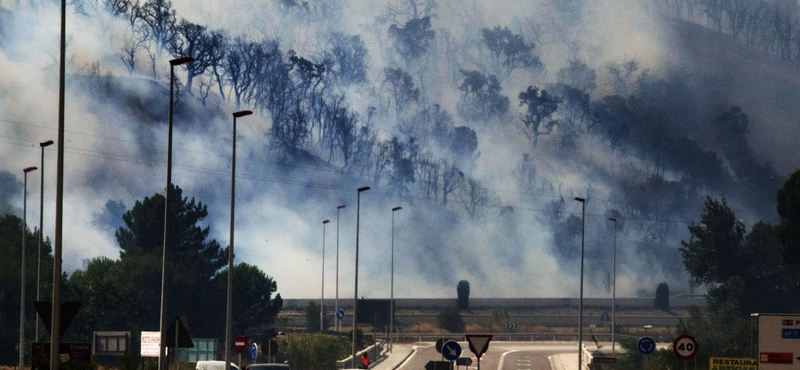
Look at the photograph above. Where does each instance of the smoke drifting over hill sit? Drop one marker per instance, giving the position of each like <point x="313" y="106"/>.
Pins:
<point x="481" y="119"/>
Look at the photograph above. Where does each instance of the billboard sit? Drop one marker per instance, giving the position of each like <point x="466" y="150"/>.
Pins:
<point x="778" y="342"/>
<point x="111" y="343"/>
<point x="374" y="311"/>
<point x="151" y="344"/>
<point x="724" y="363"/>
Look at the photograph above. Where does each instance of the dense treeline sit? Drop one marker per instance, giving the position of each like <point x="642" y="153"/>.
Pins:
<point x="124" y="294"/>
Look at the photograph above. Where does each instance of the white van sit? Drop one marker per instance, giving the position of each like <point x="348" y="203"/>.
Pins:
<point x="214" y="365"/>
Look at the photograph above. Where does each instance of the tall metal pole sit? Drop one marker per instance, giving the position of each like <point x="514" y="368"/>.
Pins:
<point x="162" y="364"/>
<point x="336" y="300"/>
<point x="355" y="296"/>
<point x="41" y="234"/>
<point x="55" y="312"/>
<point x="229" y="302"/>
<point x="22" y="270"/>
<point x="580" y="309"/>
<point x="614" y="292"/>
<point x="322" y="297"/>
<point x="391" y="307"/>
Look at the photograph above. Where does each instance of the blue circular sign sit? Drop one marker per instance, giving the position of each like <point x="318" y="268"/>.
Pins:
<point x="451" y="350"/>
<point x="340" y="313"/>
<point x="646" y="345"/>
<point x="254" y="352"/>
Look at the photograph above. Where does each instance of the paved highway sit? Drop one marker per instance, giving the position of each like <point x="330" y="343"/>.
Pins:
<point x="500" y="356"/>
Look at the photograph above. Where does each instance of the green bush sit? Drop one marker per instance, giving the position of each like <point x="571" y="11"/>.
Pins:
<point x="314" y="351"/>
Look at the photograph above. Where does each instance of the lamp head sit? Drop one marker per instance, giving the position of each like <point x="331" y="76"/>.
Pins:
<point x="340" y="207"/>
<point x="181" y="60"/>
<point x="325" y="222"/>
<point x="396" y="209"/>
<point x="46" y="143"/>
<point x="579" y="199"/>
<point x="612" y="219"/>
<point x="29" y="169"/>
<point x="242" y="113"/>
<point x="363" y="189"/>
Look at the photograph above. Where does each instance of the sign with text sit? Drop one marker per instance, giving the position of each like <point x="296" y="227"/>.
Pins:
<point x="722" y="363"/>
<point x="151" y="344"/>
<point x="604" y="360"/>
<point x="70" y="353"/>
<point x="778" y="340"/>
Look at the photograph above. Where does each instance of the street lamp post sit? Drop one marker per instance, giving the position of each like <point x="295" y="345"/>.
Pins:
<point x="322" y="297"/>
<point x="580" y="309"/>
<point x="162" y="364"/>
<point x="55" y="311"/>
<point x="645" y="334"/>
<point x="355" y="296"/>
<point x="336" y="300"/>
<point x="614" y="290"/>
<point x="391" y="307"/>
<point x="22" y="270"/>
<point x="752" y="345"/>
<point x="229" y="303"/>
<point x="41" y="233"/>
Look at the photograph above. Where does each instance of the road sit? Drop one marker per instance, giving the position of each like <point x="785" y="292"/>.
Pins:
<point x="500" y="356"/>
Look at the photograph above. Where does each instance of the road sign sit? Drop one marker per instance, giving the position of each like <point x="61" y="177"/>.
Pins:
<point x="254" y="352"/>
<point x="239" y="343"/>
<point x="511" y="326"/>
<point x="150" y="344"/>
<point x="78" y="355"/>
<point x="439" y="343"/>
<point x="782" y="358"/>
<point x="177" y="333"/>
<point x="685" y="347"/>
<point x="340" y="313"/>
<point x="439" y="365"/>
<point x="451" y="350"/>
<point x="604" y="360"/>
<point x="269" y="347"/>
<point x="464" y="361"/>
<point x="778" y="338"/>
<point x="646" y="345"/>
<point x="478" y="343"/>
<point x="68" y="312"/>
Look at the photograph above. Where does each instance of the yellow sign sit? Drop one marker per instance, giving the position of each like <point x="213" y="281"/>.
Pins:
<point x="722" y="363"/>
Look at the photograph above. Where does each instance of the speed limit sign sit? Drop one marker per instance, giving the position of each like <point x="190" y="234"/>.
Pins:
<point x="685" y="347"/>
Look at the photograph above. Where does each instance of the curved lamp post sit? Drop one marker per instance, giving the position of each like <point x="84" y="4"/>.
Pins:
<point x="41" y="233"/>
<point x="336" y="300"/>
<point x="22" y="270"/>
<point x="391" y="307"/>
<point x="580" y="309"/>
<point x="355" y="296"/>
<point x="162" y="364"/>
<point x="229" y="302"/>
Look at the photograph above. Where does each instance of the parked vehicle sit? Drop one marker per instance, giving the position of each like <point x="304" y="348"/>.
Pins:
<point x="283" y="366"/>
<point x="214" y="365"/>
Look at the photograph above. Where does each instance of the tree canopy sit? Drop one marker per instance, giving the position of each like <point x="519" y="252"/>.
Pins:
<point x="124" y="294"/>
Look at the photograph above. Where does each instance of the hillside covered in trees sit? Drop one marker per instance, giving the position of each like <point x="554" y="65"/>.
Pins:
<point x="482" y="120"/>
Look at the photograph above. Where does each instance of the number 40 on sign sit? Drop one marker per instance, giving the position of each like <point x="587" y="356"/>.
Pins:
<point x="685" y="347"/>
